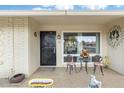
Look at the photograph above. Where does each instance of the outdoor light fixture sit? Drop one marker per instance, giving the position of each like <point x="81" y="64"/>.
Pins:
<point x="35" y="34"/>
<point x="59" y="36"/>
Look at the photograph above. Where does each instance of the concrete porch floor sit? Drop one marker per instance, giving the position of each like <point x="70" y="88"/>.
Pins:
<point x="63" y="79"/>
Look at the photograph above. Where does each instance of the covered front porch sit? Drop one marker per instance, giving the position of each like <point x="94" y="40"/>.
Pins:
<point x="21" y="43"/>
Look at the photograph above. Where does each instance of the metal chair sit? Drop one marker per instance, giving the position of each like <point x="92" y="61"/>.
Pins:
<point x="97" y="59"/>
<point x="70" y="64"/>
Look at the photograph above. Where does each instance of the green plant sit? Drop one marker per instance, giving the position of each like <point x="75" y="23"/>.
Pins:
<point x="106" y="61"/>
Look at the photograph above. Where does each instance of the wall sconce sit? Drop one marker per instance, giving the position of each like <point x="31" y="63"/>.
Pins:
<point x="35" y="34"/>
<point x="59" y="36"/>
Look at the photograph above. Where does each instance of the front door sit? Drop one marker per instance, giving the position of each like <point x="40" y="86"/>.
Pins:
<point x="48" y="48"/>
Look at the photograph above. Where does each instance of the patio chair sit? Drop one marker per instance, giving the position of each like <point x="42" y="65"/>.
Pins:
<point x="97" y="59"/>
<point x="70" y="64"/>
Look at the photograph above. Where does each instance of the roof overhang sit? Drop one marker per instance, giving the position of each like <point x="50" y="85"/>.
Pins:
<point x="42" y="13"/>
<point x="68" y="17"/>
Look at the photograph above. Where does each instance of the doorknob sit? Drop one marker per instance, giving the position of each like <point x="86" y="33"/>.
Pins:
<point x="54" y="50"/>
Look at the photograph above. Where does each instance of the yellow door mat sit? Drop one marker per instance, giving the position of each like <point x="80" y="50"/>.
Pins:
<point x="41" y="82"/>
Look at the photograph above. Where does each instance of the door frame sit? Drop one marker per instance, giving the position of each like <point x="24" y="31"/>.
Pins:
<point x="55" y="48"/>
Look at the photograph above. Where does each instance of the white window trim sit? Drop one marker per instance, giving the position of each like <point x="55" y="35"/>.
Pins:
<point x="69" y="31"/>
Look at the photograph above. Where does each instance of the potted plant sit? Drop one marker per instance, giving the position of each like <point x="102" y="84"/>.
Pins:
<point x="106" y="62"/>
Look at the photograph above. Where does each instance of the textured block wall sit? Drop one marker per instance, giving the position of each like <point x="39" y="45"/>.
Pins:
<point x="13" y="45"/>
<point x="6" y="46"/>
<point x="20" y="29"/>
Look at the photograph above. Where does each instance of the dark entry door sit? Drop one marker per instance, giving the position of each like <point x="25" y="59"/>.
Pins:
<point x="48" y="48"/>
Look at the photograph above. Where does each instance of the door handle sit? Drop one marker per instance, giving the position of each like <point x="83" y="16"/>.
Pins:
<point x="54" y="50"/>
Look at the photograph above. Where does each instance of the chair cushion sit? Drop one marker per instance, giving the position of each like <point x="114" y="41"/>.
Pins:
<point x="70" y="63"/>
<point x="98" y="64"/>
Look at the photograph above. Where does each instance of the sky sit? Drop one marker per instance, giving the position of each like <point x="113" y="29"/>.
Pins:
<point x="62" y="7"/>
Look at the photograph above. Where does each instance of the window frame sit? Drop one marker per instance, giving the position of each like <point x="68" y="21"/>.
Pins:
<point x="100" y="51"/>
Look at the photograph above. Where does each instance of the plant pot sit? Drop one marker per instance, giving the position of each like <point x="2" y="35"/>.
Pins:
<point x="17" y="78"/>
<point x="106" y="66"/>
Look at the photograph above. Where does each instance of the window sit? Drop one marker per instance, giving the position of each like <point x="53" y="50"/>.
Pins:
<point x="75" y="42"/>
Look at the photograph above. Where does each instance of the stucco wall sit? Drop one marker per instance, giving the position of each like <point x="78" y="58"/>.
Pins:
<point x="116" y="55"/>
<point x="13" y="45"/>
<point x="75" y="28"/>
<point x="34" y="46"/>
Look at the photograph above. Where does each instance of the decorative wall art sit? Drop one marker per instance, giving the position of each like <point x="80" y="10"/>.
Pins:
<point x="115" y="36"/>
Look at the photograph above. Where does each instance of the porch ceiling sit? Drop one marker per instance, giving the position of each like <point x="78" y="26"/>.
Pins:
<point x="76" y="19"/>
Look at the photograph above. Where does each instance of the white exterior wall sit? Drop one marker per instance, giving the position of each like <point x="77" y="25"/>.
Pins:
<point x="116" y="55"/>
<point x="34" y="46"/>
<point x="21" y="44"/>
<point x="6" y="46"/>
<point x="13" y="45"/>
<point x="20" y="51"/>
<point x="75" y="28"/>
